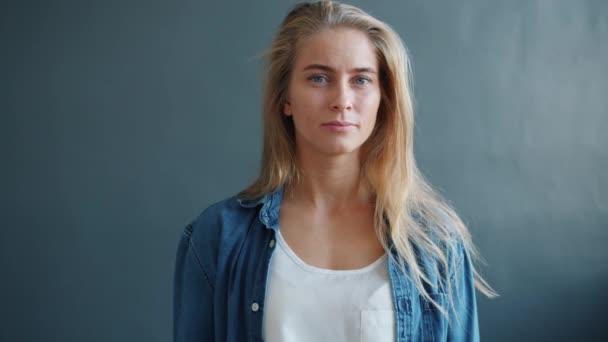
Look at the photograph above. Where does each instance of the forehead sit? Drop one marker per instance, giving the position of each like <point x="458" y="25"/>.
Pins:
<point x="341" y="48"/>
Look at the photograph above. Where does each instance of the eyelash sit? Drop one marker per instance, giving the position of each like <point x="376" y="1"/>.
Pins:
<point x="368" y="80"/>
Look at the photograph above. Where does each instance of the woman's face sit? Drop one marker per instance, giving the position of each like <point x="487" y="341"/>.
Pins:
<point x="334" y="91"/>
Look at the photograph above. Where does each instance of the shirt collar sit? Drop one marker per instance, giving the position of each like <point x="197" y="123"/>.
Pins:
<point x="269" y="213"/>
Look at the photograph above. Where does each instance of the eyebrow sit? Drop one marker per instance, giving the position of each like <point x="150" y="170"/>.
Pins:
<point x="329" y="69"/>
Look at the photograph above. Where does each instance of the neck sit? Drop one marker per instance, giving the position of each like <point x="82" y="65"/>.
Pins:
<point x="329" y="182"/>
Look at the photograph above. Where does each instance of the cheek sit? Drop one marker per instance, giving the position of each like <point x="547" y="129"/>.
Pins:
<point x="370" y="108"/>
<point x="311" y="98"/>
<point x="303" y="114"/>
<point x="308" y="105"/>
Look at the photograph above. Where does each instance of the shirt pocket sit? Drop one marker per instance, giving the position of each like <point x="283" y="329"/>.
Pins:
<point x="377" y="326"/>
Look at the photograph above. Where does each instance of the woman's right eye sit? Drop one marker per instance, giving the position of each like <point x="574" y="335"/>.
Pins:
<point x="317" y="78"/>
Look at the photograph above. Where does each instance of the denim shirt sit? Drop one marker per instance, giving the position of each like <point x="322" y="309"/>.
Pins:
<point x="221" y="273"/>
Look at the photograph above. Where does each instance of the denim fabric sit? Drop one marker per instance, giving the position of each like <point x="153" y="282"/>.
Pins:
<point x="221" y="275"/>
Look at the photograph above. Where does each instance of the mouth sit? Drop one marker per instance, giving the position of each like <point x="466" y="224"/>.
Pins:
<point x="338" y="124"/>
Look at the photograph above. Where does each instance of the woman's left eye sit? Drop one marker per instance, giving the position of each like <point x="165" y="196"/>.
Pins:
<point x="362" y="80"/>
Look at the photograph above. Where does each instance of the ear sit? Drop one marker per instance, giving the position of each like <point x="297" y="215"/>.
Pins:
<point x="287" y="109"/>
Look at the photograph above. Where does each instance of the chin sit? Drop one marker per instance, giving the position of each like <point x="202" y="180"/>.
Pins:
<point x="331" y="147"/>
<point x="339" y="149"/>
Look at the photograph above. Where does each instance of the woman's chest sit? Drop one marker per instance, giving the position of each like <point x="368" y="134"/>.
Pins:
<point x="304" y="303"/>
<point x="340" y="242"/>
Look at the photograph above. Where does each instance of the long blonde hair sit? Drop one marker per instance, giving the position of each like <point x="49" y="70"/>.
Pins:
<point x="408" y="212"/>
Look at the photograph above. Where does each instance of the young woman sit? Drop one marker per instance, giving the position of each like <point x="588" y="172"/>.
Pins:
<point x="340" y="238"/>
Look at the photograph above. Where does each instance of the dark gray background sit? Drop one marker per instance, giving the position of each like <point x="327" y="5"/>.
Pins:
<point x="122" y="120"/>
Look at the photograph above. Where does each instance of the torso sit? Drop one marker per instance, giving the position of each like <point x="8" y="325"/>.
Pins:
<point x="336" y="241"/>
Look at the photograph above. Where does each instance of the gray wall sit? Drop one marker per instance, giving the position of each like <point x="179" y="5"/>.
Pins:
<point x="122" y="120"/>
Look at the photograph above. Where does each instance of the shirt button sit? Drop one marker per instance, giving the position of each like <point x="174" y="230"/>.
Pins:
<point x="271" y="243"/>
<point x="255" y="307"/>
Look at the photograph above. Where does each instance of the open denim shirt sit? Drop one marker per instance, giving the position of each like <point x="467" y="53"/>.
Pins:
<point x="222" y="266"/>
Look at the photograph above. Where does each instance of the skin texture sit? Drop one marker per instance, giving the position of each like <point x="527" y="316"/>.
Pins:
<point x="327" y="219"/>
<point x="318" y="96"/>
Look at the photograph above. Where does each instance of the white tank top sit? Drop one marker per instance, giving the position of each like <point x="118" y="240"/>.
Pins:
<point x="305" y="303"/>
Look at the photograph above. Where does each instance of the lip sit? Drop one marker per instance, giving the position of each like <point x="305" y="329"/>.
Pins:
<point x="338" y="123"/>
<point x="339" y="126"/>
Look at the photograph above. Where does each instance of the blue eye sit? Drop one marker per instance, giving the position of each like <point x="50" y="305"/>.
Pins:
<point x="365" y="79"/>
<point x="317" y="78"/>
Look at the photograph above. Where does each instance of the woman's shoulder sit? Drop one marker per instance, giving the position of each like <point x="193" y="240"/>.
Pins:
<point x="447" y="233"/>
<point x="226" y="214"/>
<point x="220" y="226"/>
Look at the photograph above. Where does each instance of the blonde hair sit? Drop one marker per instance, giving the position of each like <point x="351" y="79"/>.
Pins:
<point x="408" y="212"/>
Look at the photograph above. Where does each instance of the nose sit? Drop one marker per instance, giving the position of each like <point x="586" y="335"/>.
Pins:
<point x="342" y="99"/>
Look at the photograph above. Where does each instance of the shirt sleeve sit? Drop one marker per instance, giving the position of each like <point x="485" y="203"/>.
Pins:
<point x="192" y="295"/>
